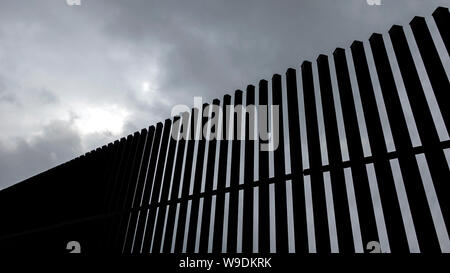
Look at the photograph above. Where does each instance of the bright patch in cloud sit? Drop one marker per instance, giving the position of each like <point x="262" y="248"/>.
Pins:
<point x="145" y="86"/>
<point x="101" y="119"/>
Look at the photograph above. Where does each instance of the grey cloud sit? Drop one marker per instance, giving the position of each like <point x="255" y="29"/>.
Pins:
<point x="215" y="47"/>
<point x="57" y="143"/>
<point x="46" y="96"/>
<point x="8" y="98"/>
<point x="54" y="58"/>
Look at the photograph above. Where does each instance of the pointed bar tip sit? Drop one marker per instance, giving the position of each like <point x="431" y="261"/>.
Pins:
<point x="306" y="63"/>
<point x="417" y="20"/>
<point x="395" y="28"/>
<point x="356" y="43"/>
<point x="290" y="70"/>
<point x="375" y="36"/>
<point x="338" y="50"/>
<point x="276" y="76"/>
<point x="440" y="11"/>
<point x="322" y="58"/>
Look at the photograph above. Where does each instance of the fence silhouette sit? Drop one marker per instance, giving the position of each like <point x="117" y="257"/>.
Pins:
<point x="339" y="179"/>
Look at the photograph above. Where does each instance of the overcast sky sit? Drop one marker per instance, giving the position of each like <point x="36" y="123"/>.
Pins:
<point x="73" y="78"/>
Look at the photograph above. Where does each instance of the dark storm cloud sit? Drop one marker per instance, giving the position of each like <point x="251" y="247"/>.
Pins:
<point x="57" y="142"/>
<point x="217" y="46"/>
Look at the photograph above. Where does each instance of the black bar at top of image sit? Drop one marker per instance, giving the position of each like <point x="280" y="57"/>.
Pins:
<point x="192" y="231"/>
<point x="281" y="225"/>
<point x="322" y="236"/>
<point x="84" y="182"/>
<point x="157" y="183"/>
<point x="108" y="159"/>
<point x="263" y="199"/>
<point x="221" y="181"/>
<point x="114" y="153"/>
<point x="118" y="183"/>
<point x="209" y="179"/>
<point x="122" y="174"/>
<point x="185" y="183"/>
<point x="396" y="231"/>
<point x="114" y="173"/>
<point x="363" y="196"/>
<point x="128" y="182"/>
<point x="338" y="187"/>
<point x="132" y="163"/>
<point x="435" y="156"/>
<point x="442" y="18"/>
<point x="415" y="191"/>
<point x="164" y="192"/>
<point x="124" y="202"/>
<point x="120" y="215"/>
<point x="249" y="168"/>
<point x="148" y="184"/>
<point x="135" y="203"/>
<point x="433" y="66"/>
<point x="298" y="188"/>
<point x="135" y="172"/>
<point x="176" y="184"/>
<point x="234" y="178"/>
<point x="110" y="153"/>
<point x="93" y="174"/>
